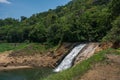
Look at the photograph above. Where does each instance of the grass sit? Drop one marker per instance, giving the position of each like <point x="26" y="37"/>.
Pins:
<point x="40" y="47"/>
<point x="84" y="66"/>
<point x="35" y="48"/>
<point x="27" y="48"/>
<point x="11" y="46"/>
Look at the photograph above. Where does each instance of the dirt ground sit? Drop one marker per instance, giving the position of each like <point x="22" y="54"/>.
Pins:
<point x="108" y="70"/>
<point x="11" y="59"/>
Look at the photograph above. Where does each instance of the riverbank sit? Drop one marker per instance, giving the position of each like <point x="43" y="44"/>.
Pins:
<point x="31" y="57"/>
<point x="14" y="67"/>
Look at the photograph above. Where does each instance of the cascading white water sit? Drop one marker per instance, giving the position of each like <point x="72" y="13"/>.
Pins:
<point x="67" y="61"/>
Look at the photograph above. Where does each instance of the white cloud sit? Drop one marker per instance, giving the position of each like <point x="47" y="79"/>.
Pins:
<point x="5" y="1"/>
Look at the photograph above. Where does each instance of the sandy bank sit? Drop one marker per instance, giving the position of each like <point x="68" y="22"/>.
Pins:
<point x="14" y="67"/>
<point x="19" y="59"/>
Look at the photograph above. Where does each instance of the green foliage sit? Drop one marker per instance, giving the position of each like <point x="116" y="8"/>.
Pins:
<point x="81" y="68"/>
<point x="37" y="34"/>
<point x="114" y="34"/>
<point x="114" y="8"/>
<point x="54" y="33"/>
<point x="23" y="18"/>
<point x="77" y="21"/>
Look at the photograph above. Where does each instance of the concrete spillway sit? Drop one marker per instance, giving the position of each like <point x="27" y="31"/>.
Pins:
<point x="67" y="61"/>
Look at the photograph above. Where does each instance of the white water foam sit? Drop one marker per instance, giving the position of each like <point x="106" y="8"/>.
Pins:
<point x="67" y="61"/>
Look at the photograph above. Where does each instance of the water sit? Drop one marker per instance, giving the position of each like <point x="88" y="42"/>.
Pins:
<point x="25" y="74"/>
<point x="67" y="61"/>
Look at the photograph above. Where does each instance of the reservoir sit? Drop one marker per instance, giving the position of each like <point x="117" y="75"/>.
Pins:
<point x="25" y="74"/>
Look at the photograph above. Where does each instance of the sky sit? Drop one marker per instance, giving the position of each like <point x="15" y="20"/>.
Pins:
<point x="17" y="8"/>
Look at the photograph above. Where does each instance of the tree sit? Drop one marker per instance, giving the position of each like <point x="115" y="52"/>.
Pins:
<point x="114" y="34"/>
<point x="23" y="18"/>
<point x="114" y="8"/>
<point x="38" y="33"/>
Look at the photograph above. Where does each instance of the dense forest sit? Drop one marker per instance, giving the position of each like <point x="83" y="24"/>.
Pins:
<point x="77" y="21"/>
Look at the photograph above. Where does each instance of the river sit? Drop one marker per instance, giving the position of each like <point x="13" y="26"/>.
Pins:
<point x="25" y="74"/>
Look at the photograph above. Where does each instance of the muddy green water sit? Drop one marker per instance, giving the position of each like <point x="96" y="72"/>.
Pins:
<point x="25" y="74"/>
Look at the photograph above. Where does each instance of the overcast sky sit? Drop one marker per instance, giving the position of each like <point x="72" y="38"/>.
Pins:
<point x="17" y="8"/>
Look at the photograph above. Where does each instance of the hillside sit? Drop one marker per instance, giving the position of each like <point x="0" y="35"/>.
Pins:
<point x="77" y="21"/>
<point x="44" y="40"/>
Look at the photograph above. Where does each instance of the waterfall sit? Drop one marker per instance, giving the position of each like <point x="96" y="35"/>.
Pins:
<point x="67" y="61"/>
